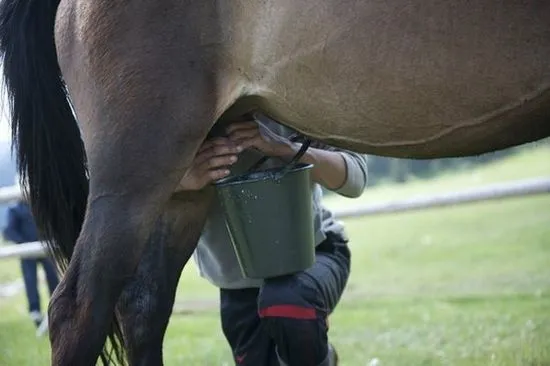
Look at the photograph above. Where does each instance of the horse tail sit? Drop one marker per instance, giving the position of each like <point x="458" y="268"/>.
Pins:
<point x="50" y="154"/>
<point x="49" y="151"/>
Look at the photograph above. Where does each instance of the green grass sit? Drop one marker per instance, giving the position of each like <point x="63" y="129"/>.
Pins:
<point x="9" y="271"/>
<point x="466" y="285"/>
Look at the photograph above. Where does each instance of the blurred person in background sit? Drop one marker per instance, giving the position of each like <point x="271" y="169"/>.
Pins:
<point x="21" y="228"/>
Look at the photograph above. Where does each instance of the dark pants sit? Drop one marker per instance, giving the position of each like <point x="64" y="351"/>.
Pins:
<point x="287" y="317"/>
<point x="29" y="269"/>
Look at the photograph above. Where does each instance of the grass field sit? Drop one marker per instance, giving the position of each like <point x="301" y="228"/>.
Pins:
<point x="467" y="285"/>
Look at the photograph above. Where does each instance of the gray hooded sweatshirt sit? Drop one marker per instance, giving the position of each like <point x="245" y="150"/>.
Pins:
<point x="214" y="256"/>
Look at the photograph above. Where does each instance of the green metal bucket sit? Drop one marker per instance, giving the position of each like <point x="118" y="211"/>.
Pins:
<point x="269" y="216"/>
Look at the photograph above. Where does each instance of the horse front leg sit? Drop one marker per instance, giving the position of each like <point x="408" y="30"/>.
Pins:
<point x="145" y="305"/>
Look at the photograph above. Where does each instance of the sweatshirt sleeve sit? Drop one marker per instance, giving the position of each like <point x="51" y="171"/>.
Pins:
<point x="356" y="171"/>
<point x="356" y="174"/>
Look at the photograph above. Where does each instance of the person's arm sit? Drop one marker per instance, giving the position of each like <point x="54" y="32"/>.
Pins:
<point x="340" y="171"/>
<point x="11" y="232"/>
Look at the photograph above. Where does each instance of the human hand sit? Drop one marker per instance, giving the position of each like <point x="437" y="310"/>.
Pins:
<point x="211" y="163"/>
<point x="252" y="134"/>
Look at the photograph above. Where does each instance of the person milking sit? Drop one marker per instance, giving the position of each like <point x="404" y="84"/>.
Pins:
<point x="281" y="320"/>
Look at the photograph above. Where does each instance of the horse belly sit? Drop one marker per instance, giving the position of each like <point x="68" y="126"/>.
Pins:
<point x="404" y="78"/>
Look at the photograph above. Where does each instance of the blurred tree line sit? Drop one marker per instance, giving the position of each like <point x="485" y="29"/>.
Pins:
<point x="393" y="170"/>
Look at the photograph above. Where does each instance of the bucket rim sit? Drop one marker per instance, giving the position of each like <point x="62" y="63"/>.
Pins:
<point x="258" y="176"/>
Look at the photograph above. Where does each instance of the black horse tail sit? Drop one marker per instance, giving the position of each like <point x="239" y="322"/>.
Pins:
<point x="50" y="154"/>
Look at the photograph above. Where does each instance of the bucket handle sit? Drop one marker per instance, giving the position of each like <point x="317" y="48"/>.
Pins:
<point x="280" y="174"/>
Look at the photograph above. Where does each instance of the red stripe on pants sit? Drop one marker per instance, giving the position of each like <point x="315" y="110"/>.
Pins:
<point x="288" y="311"/>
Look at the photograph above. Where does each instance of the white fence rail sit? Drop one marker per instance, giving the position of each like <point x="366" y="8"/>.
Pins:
<point x="490" y="192"/>
<point x="34" y="249"/>
<point x="8" y="194"/>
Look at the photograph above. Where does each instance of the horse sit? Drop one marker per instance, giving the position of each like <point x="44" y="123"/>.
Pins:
<point x="110" y="100"/>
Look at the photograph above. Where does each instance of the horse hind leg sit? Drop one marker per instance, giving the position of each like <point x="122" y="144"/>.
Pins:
<point x="145" y="305"/>
<point x="137" y="153"/>
<point x="127" y="194"/>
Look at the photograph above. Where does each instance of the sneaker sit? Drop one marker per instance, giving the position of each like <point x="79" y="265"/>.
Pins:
<point x="330" y="360"/>
<point x="333" y="355"/>
<point x="36" y="317"/>
<point x="43" y="328"/>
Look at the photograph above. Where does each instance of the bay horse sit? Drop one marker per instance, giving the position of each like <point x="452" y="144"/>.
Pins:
<point x="148" y="80"/>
